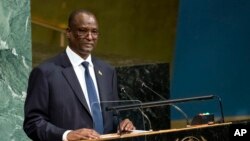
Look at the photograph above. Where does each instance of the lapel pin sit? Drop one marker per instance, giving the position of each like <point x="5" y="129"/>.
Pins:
<point x="99" y="72"/>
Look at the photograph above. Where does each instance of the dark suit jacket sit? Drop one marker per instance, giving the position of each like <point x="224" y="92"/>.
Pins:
<point x="55" y="101"/>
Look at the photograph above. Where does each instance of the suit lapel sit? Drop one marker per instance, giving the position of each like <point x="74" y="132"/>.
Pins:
<point x="100" y="80"/>
<point x="71" y="77"/>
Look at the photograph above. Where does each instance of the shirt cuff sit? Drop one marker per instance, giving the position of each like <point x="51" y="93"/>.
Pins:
<point x="64" y="137"/>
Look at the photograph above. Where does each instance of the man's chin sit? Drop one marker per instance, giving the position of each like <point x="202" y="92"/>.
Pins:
<point x="85" y="52"/>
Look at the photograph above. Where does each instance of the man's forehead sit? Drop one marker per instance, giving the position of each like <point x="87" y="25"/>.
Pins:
<point x="85" y="18"/>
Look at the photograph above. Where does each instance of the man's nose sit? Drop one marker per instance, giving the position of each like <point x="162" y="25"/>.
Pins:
<point x="89" y="36"/>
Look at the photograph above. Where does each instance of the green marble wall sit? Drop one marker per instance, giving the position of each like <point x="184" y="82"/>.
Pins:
<point x="15" y="65"/>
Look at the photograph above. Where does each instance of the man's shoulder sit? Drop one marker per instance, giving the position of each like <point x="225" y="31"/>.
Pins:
<point x="54" y="62"/>
<point x="102" y="63"/>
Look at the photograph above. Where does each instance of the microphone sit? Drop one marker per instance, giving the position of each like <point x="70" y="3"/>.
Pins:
<point x="142" y="112"/>
<point x="124" y="92"/>
<point x="163" y="98"/>
<point x="146" y="86"/>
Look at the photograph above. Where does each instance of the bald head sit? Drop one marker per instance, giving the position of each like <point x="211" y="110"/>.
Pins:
<point x="72" y="16"/>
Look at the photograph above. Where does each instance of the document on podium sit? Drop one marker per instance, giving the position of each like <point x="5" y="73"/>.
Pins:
<point x="117" y="135"/>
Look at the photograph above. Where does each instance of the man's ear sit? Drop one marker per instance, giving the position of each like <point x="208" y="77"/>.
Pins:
<point x="68" y="32"/>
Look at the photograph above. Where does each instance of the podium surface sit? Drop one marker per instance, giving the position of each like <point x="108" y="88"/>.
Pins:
<point x="215" y="132"/>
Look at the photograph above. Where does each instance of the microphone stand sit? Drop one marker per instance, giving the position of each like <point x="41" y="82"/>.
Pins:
<point x="175" y="106"/>
<point x="117" y="114"/>
<point x="157" y="103"/>
<point x="166" y="102"/>
<point x="142" y="112"/>
<point x="179" y="109"/>
<point x="221" y="109"/>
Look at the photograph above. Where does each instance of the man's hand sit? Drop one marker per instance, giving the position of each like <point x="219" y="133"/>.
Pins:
<point x="82" y="134"/>
<point x="125" y="126"/>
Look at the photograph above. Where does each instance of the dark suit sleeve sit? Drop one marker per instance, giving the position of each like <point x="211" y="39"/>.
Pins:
<point x="116" y="98"/>
<point x="36" y="109"/>
<point x="115" y="91"/>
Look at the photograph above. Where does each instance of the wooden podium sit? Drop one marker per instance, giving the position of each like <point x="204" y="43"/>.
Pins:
<point x="214" y="132"/>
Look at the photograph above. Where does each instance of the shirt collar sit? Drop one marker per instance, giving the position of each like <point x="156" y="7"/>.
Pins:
<point x="75" y="59"/>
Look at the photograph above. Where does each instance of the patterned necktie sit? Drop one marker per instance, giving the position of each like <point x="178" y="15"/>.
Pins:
<point x="94" y="104"/>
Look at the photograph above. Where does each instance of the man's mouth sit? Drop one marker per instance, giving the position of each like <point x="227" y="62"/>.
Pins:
<point x="88" y="45"/>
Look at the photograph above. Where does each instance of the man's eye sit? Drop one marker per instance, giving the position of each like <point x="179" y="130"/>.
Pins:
<point x="94" y="31"/>
<point x="83" y="30"/>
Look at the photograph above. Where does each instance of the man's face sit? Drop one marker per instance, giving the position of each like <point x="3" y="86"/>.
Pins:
<point x="83" y="34"/>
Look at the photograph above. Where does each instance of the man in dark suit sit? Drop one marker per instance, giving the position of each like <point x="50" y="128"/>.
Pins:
<point x="58" y="105"/>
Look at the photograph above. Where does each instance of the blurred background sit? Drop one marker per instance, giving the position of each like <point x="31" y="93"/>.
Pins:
<point x="131" y="31"/>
